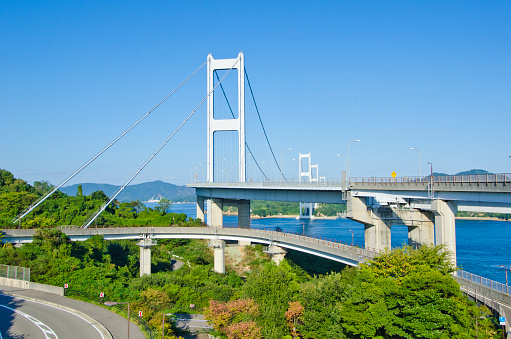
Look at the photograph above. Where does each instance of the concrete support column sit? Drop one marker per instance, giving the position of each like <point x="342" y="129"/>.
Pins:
<point x="200" y="208"/>
<point x="145" y="255"/>
<point x="445" y="225"/>
<point x="244" y="218"/>
<point x="377" y="236"/>
<point x="219" y="255"/>
<point x="277" y="253"/>
<point x="244" y="214"/>
<point x="377" y="232"/>
<point x="421" y="229"/>
<point x="216" y="214"/>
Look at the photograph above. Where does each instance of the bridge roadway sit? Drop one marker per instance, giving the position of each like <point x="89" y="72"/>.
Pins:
<point x="427" y="206"/>
<point x="336" y="251"/>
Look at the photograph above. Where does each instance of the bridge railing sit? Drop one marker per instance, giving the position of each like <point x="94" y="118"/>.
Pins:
<point x="504" y="178"/>
<point x="15" y="272"/>
<point x="494" y="285"/>
<point x="363" y="251"/>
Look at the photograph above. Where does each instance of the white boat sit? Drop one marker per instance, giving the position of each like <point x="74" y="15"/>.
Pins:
<point x="157" y="199"/>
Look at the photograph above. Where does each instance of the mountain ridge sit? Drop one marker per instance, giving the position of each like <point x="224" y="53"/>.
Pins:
<point x="142" y="192"/>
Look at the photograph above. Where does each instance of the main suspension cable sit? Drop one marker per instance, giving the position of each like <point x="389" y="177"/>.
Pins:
<point x="105" y="205"/>
<point x="43" y="198"/>
<point x="259" y="115"/>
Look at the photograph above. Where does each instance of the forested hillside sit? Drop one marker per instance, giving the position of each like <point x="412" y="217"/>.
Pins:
<point x="62" y="209"/>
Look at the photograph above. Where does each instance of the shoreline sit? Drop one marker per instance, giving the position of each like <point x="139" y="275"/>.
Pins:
<point x="482" y="218"/>
<point x="335" y="217"/>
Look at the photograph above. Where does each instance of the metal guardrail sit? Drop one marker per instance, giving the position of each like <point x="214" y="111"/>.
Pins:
<point x="494" y="285"/>
<point x="120" y="307"/>
<point x="15" y="272"/>
<point x="504" y="178"/>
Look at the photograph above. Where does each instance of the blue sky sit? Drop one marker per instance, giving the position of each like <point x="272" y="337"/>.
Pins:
<point x="433" y="75"/>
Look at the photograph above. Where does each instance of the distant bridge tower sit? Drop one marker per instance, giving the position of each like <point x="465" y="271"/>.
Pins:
<point x="234" y="124"/>
<point x="308" y="174"/>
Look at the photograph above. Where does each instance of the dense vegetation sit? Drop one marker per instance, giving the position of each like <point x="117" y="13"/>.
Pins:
<point x="62" y="209"/>
<point x="405" y="293"/>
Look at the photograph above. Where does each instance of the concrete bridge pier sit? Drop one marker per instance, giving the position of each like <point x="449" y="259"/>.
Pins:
<point x="145" y="255"/>
<point x="379" y="220"/>
<point x="277" y="253"/>
<point x="376" y="231"/>
<point x="216" y="213"/>
<point x="445" y="225"/>
<point x="219" y="255"/>
<point x="244" y="218"/>
<point x="200" y="208"/>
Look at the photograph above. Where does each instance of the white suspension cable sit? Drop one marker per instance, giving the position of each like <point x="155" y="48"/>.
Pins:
<point x="43" y="198"/>
<point x="91" y="219"/>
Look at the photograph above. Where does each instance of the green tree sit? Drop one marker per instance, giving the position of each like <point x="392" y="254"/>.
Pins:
<point x="163" y="206"/>
<point x="79" y="191"/>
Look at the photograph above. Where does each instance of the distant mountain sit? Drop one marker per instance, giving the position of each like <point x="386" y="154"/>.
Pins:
<point x="142" y="192"/>
<point x="474" y="172"/>
<point x="471" y="172"/>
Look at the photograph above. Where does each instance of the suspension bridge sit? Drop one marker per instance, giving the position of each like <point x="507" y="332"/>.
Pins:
<point x="241" y="164"/>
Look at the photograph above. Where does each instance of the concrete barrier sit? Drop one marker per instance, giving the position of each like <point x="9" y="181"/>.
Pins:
<point x="47" y="288"/>
<point x="15" y="283"/>
<point x="27" y="285"/>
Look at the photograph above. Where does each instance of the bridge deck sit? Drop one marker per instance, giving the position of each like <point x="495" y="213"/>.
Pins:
<point x="332" y="250"/>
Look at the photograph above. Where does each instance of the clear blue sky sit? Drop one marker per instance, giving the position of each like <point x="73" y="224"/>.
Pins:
<point x="434" y="75"/>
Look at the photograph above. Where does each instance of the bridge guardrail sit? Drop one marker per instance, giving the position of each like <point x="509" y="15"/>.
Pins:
<point x="15" y="272"/>
<point x="494" y="285"/>
<point x="504" y="178"/>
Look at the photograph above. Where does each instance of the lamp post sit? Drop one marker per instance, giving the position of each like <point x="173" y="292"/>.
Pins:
<point x="342" y="155"/>
<point x="284" y="149"/>
<point x="163" y="325"/>
<point x="505" y="269"/>
<point x="113" y="303"/>
<point x="352" y="238"/>
<point x="420" y="162"/>
<point x="348" y="160"/>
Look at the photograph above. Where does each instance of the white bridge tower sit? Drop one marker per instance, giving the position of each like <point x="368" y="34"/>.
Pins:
<point x="233" y="124"/>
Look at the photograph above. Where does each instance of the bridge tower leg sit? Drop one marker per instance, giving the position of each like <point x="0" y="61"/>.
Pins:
<point x="145" y="255"/>
<point x="200" y="208"/>
<point x="445" y="225"/>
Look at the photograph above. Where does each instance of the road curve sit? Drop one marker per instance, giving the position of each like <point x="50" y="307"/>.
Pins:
<point x="26" y="318"/>
<point x="113" y="323"/>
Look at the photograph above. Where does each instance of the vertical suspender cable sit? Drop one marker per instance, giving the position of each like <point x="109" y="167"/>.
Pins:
<point x="230" y="108"/>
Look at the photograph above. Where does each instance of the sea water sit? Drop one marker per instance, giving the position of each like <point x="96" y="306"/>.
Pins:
<point x="481" y="246"/>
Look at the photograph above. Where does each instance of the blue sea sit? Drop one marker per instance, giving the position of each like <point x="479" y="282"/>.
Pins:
<point x="481" y="246"/>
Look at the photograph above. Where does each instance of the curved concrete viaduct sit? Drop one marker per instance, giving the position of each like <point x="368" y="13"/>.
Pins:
<point x="346" y="254"/>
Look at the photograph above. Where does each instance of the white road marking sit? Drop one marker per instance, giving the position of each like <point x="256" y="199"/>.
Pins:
<point x="61" y="309"/>
<point x="48" y="332"/>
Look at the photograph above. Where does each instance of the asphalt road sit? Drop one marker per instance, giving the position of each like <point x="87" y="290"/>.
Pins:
<point x="63" y="323"/>
<point x="23" y="318"/>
